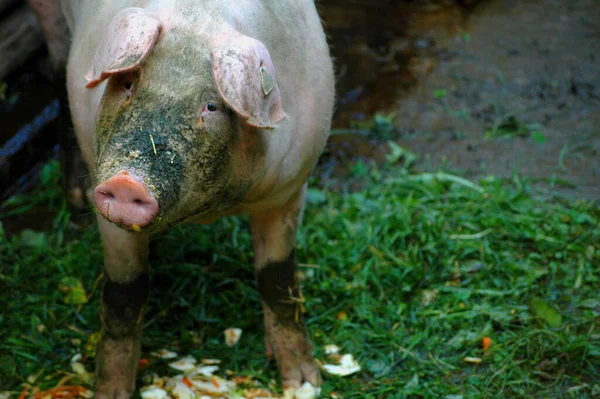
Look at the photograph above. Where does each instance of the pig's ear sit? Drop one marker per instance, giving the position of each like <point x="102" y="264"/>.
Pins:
<point x="130" y="37"/>
<point x="247" y="81"/>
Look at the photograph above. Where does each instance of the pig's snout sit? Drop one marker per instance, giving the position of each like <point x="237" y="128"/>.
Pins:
<point x="122" y="199"/>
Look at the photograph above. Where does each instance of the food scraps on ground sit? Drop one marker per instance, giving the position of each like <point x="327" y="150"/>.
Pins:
<point x="164" y="354"/>
<point x="307" y="391"/>
<point x="58" y="392"/>
<point x="486" y="343"/>
<point x="332" y="349"/>
<point x="79" y="369"/>
<point x="232" y="336"/>
<point x="199" y="382"/>
<point x="209" y="362"/>
<point x="154" y="393"/>
<point x="187" y="363"/>
<point x="347" y="365"/>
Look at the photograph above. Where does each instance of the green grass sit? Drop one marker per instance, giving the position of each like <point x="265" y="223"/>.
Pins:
<point x="408" y="275"/>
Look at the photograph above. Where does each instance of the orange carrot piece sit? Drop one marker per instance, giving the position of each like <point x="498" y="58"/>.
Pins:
<point x="143" y="363"/>
<point x="24" y="392"/>
<point x="215" y="382"/>
<point x="187" y="382"/>
<point x="486" y="343"/>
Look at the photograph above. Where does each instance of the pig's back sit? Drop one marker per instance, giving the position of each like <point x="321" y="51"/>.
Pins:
<point x="293" y="34"/>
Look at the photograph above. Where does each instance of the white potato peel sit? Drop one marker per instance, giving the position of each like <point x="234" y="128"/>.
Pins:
<point x="232" y="336"/>
<point x="346" y="367"/>
<point x="164" y="354"/>
<point x="332" y="349"/>
<point x="199" y="382"/>
<point x="206" y="371"/>
<point x="179" y="389"/>
<point x="187" y="363"/>
<point x="307" y="391"/>
<point x="152" y="392"/>
<point x="212" y="385"/>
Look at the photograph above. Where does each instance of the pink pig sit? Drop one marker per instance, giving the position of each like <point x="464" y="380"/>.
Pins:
<point x="190" y="110"/>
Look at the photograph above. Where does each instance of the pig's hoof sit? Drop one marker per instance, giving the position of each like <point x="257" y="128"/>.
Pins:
<point x="292" y="349"/>
<point x="116" y="367"/>
<point x="113" y="393"/>
<point x="295" y="372"/>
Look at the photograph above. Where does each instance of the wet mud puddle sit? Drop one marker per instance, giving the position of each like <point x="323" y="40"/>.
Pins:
<point x="492" y="87"/>
<point x="382" y="49"/>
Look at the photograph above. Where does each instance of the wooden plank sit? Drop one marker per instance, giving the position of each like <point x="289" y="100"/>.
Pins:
<point x="28" y="146"/>
<point x="20" y="36"/>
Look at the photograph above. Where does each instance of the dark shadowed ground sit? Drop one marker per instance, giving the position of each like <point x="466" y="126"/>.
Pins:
<point x="493" y="87"/>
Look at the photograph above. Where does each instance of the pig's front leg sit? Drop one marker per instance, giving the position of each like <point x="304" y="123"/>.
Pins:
<point x="286" y="336"/>
<point x="124" y="297"/>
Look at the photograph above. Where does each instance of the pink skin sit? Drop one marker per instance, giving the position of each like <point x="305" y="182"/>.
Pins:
<point x="288" y="59"/>
<point x="122" y="199"/>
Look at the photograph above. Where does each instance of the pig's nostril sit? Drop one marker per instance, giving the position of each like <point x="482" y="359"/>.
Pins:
<point x="123" y="199"/>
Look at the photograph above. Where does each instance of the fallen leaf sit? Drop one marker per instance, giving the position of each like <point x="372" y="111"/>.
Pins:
<point x="542" y="310"/>
<point x="74" y="292"/>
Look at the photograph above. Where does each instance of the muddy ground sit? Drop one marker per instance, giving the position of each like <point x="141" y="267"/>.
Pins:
<point x="498" y="87"/>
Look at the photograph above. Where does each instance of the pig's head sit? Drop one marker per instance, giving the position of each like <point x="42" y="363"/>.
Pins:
<point x="179" y="130"/>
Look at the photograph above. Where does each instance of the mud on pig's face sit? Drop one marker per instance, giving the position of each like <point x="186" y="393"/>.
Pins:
<point x="179" y="120"/>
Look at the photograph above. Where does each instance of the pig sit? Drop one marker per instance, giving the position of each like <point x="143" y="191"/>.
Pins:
<point x="191" y="110"/>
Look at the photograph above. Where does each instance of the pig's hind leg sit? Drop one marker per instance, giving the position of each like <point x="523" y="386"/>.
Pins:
<point x="124" y="297"/>
<point x="286" y="336"/>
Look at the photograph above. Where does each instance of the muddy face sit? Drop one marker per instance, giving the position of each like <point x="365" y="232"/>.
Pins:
<point x="166" y="125"/>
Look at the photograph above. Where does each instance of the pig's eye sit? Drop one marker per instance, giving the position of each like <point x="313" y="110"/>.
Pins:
<point x="211" y="107"/>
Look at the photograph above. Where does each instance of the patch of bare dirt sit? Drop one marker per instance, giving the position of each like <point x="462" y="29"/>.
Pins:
<point x="504" y="87"/>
